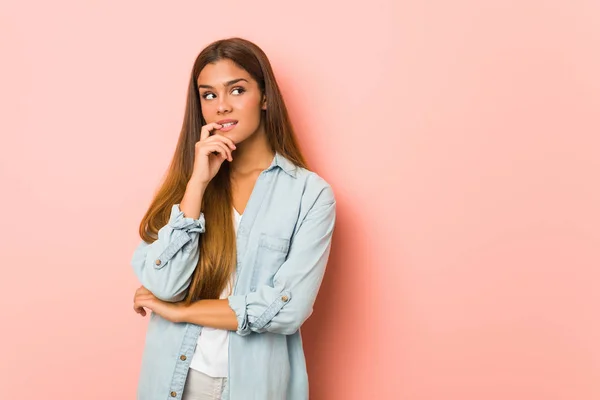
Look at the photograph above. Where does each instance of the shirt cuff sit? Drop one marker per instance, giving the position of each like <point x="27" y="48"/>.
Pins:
<point x="254" y="312"/>
<point x="177" y="220"/>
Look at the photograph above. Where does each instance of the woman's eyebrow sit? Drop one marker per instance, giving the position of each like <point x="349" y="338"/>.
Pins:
<point x="228" y="83"/>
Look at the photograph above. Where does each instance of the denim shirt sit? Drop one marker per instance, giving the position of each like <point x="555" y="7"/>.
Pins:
<point x="283" y="244"/>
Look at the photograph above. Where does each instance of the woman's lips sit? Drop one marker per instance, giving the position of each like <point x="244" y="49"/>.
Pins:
<point x="228" y="127"/>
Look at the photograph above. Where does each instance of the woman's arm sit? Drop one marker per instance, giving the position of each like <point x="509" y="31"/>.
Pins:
<point x="192" y="198"/>
<point x="165" y="266"/>
<point x="214" y="313"/>
<point x="279" y="309"/>
<point x="283" y="307"/>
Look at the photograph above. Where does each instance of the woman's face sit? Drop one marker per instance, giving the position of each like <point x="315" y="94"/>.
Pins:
<point x="228" y="94"/>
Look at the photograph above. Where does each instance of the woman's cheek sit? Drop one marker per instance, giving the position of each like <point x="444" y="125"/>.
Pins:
<point x="207" y="111"/>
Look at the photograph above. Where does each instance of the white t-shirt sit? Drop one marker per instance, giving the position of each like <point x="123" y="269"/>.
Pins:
<point x="212" y="350"/>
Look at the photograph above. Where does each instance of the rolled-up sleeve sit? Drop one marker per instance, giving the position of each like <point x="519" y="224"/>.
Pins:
<point x="165" y="266"/>
<point x="283" y="307"/>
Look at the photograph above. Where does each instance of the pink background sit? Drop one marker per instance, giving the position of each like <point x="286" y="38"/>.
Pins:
<point x="461" y="139"/>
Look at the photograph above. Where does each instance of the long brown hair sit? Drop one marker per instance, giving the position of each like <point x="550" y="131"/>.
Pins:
<point x="218" y="244"/>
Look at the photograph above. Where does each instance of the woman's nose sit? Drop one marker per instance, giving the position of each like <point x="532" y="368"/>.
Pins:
<point x="223" y="106"/>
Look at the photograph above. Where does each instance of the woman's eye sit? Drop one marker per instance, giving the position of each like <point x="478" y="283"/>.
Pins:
<point x="206" y="96"/>
<point x="240" y="90"/>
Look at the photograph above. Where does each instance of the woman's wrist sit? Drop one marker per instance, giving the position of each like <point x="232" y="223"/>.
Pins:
<point x="192" y="199"/>
<point x="196" y="184"/>
<point x="182" y="312"/>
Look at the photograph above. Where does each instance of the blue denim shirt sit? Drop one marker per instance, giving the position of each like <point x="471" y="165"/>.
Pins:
<point x="283" y="244"/>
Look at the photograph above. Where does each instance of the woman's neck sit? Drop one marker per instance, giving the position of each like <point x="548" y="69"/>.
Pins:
<point x="252" y="155"/>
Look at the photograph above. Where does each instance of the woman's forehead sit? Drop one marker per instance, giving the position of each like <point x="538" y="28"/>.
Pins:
<point x="221" y="72"/>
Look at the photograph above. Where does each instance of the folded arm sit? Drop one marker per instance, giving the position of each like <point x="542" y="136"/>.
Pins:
<point x="283" y="307"/>
<point x="165" y="266"/>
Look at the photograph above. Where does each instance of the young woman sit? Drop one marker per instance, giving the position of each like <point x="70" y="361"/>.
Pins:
<point x="234" y="244"/>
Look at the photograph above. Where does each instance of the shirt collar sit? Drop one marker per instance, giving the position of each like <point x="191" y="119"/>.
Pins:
<point x="280" y="161"/>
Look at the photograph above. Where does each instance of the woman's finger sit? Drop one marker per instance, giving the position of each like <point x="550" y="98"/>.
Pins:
<point x="224" y="139"/>
<point x="216" y="143"/>
<point x="139" y="291"/>
<point x="219" y="147"/>
<point x="227" y="150"/>
<point x="144" y="298"/>
<point x="206" y="129"/>
<point x="139" y="310"/>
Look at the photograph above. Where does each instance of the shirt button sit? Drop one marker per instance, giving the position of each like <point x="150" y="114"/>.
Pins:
<point x="173" y="394"/>
<point x="183" y="357"/>
<point x="157" y="262"/>
<point x="284" y="298"/>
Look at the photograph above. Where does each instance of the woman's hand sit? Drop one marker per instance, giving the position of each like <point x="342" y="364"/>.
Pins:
<point x="169" y="311"/>
<point x="211" y="151"/>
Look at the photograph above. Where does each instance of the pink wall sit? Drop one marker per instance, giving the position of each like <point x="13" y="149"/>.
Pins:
<point x="461" y="139"/>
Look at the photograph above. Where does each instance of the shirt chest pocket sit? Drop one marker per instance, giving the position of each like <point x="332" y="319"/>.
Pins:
<point x="270" y="255"/>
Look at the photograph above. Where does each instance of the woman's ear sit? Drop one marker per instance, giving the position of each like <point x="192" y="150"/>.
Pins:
<point x="264" y="102"/>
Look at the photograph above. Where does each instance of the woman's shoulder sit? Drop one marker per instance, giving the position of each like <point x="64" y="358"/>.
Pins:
<point x="315" y="185"/>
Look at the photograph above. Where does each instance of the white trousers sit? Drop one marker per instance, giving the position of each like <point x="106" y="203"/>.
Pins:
<point x="199" y="386"/>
